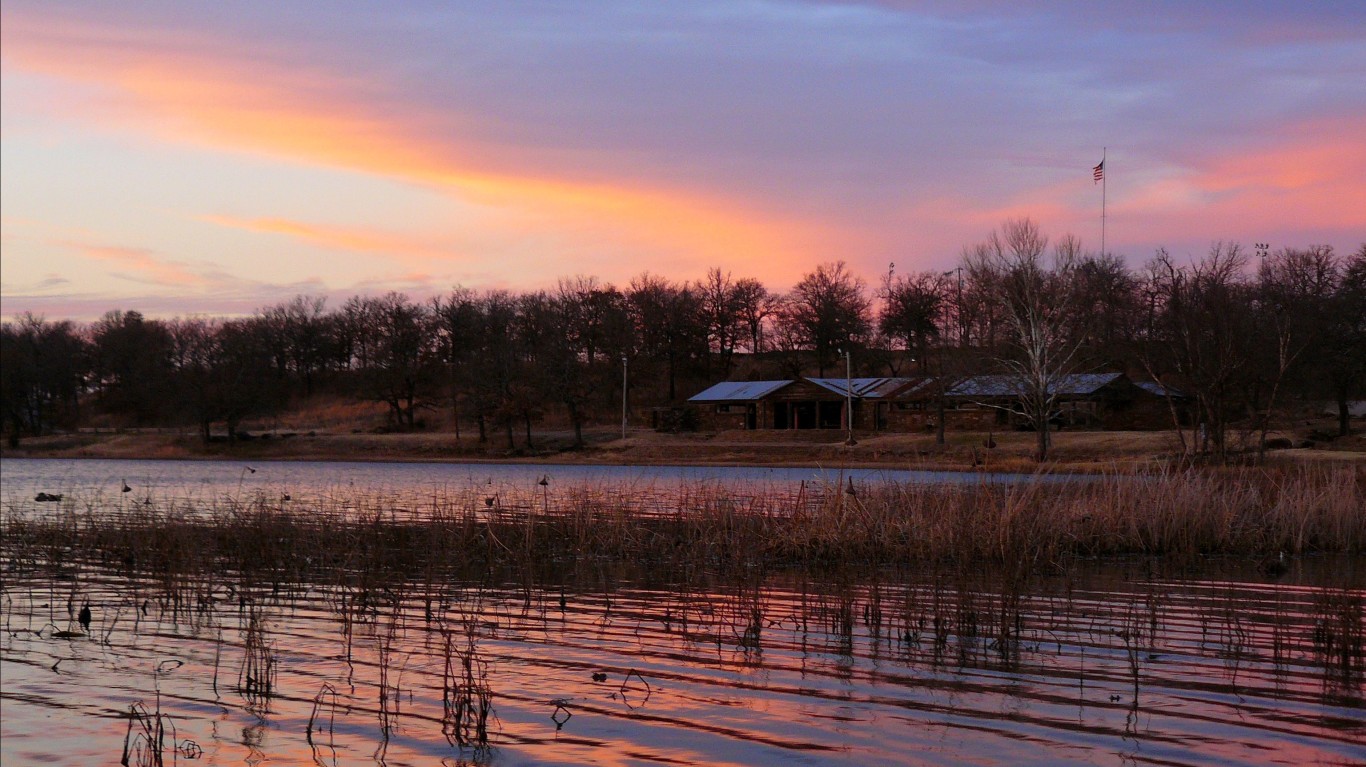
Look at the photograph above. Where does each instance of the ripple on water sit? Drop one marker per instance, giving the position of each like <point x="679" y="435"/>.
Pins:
<point x="790" y="670"/>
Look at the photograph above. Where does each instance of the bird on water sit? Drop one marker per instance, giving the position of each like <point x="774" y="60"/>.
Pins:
<point x="1276" y="566"/>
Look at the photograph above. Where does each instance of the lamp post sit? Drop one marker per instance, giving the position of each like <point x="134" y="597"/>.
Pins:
<point x="623" y="395"/>
<point x="849" y="397"/>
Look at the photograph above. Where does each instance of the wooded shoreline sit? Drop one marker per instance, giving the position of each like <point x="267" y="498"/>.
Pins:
<point x="965" y="451"/>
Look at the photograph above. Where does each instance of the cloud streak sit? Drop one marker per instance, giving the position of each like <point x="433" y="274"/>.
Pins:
<point x="763" y="137"/>
<point x="352" y="239"/>
<point x="187" y="95"/>
<point x="138" y="265"/>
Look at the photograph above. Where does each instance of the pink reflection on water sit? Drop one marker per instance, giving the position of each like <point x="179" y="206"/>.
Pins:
<point x="1093" y="668"/>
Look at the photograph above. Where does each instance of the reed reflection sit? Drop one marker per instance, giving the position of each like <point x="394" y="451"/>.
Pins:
<point x="719" y="630"/>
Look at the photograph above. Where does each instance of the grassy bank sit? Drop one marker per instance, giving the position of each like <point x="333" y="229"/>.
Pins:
<point x="1074" y="451"/>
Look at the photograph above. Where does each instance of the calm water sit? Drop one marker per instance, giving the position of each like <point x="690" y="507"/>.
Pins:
<point x="415" y="490"/>
<point x="86" y="480"/>
<point x="1112" y="664"/>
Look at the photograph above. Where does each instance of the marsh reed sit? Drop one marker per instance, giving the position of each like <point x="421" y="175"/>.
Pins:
<point x="256" y="678"/>
<point x="1017" y="528"/>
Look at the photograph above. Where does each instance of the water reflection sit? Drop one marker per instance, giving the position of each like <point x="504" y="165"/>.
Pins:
<point x="512" y="621"/>
<point x="625" y="668"/>
<point x="100" y="481"/>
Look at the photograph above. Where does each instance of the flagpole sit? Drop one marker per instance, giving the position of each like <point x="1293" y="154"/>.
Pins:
<point x="1104" y="180"/>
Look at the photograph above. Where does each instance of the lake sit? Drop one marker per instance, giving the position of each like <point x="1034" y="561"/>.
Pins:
<point x="1123" y="661"/>
<point x="97" y="478"/>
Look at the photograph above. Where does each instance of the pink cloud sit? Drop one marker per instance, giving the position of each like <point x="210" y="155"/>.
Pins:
<point x="190" y="93"/>
<point x="138" y="264"/>
<point x="606" y="158"/>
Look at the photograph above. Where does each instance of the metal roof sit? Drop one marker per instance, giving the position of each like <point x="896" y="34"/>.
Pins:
<point x="919" y="388"/>
<point x="863" y="388"/>
<point x="738" y="391"/>
<point x="1078" y="384"/>
<point x="1157" y="389"/>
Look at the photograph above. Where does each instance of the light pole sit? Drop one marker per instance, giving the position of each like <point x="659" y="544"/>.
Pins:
<point x="887" y="302"/>
<point x="623" y="395"/>
<point x="849" y="397"/>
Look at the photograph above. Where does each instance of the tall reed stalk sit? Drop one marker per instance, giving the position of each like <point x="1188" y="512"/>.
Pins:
<point x="1024" y="527"/>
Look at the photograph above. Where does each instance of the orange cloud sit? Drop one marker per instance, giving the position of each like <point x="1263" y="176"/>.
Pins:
<point x="343" y="238"/>
<point x="140" y="263"/>
<point x="1304" y="186"/>
<point x="1314" y="179"/>
<point x="190" y="95"/>
<point x="1308" y="182"/>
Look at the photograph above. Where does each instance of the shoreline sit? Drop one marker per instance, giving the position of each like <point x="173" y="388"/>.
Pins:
<point x="966" y="452"/>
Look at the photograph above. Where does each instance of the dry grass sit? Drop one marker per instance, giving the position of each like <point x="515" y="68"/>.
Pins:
<point x="327" y="413"/>
<point x="1027" y="526"/>
<point x="328" y="429"/>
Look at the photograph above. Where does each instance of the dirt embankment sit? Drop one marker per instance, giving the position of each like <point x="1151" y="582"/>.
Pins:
<point x="1011" y="451"/>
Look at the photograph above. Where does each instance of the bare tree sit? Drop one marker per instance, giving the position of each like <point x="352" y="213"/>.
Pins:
<point x="1202" y="331"/>
<point x="787" y="338"/>
<point x="1344" y="351"/>
<point x="457" y="321"/>
<point x="754" y="306"/>
<point x="670" y="325"/>
<point x="43" y="367"/>
<point x="495" y="361"/>
<point x="831" y="307"/>
<point x="195" y="351"/>
<point x="1293" y="300"/>
<point x="1038" y="302"/>
<point x="299" y="338"/>
<point x="238" y="391"/>
<point x="132" y="365"/>
<point x="394" y="342"/>
<point x="1109" y="308"/>
<point x="913" y="313"/>
<point x="978" y="313"/>
<point x="721" y="312"/>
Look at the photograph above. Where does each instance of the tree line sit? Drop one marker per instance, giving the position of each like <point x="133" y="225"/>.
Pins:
<point x="1240" y="332"/>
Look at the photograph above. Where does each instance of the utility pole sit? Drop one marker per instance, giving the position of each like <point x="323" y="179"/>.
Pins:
<point x="623" y="395"/>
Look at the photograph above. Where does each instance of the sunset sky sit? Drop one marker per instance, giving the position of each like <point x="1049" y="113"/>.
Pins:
<point x="212" y="158"/>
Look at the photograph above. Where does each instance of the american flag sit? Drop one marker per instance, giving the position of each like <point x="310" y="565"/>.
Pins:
<point x="1098" y="172"/>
